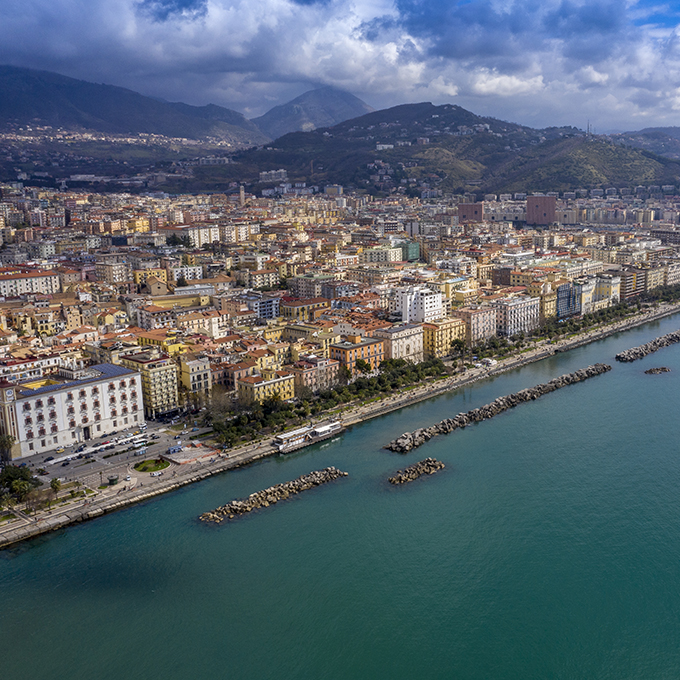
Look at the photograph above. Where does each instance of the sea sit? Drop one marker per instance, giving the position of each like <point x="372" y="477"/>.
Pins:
<point x="548" y="548"/>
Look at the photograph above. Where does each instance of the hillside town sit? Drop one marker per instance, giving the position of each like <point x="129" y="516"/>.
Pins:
<point x="117" y="308"/>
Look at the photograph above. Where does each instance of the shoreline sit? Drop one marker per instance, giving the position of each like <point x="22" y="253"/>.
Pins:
<point x="105" y="503"/>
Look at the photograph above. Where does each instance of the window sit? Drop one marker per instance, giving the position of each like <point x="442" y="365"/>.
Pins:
<point x="81" y="394"/>
<point x="29" y="434"/>
<point x="54" y="428"/>
<point x="115" y="423"/>
<point x="122" y="383"/>
<point x="114" y="413"/>
<point x="28" y="420"/>
<point x="53" y="414"/>
<point x="41" y="432"/>
<point x="40" y="417"/>
<point x="73" y="435"/>
<point x="111" y="387"/>
<point x="30" y="447"/>
<point x="51" y="401"/>
<point x="71" y="423"/>
<point x="95" y="390"/>
<point x="42" y="442"/>
<point x="69" y="396"/>
<point x="38" y="403"/>
<point x="99" y="428"/>
<point x="27" y="407"/>
<point x="123" y="397"/>
<point x="70" y="410"/>
<point x="83" y="407"/>
<point x="84" y="419"/>
<point x="112" y="400"/>
<point x="97" y="416"/>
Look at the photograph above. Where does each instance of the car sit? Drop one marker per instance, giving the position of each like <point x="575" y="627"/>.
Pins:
<point x="79" y="456"/>
<point x="61" y="450"/>
<point x="65" y="463"/>
<point x="177" y="436"/>
<point x="135" y="432"/>
<point x="128" y="478"/>
<point x="48" y="459"/>
<point x="195" y="429"/>
<point x="157" y="474"/>
<point x="42" y="471"/>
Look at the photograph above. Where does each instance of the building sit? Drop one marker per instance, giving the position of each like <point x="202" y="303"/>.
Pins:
<point x="402" y="342"/>
<point x="480" y="323"/>
<point x="354" y="348"/>
<point x="195" y="376"/>
<point x="418" y="304"/>
<point x="541" y="209"/>
<point x="15" y="281"/>
<point x="159" y="380"/>
<point x="314" y="373"/>
<point x="438" y="337"/>
<point x="303" y="310"/>
<point x="517" y="315"/>
<point x="271" y="384"/>
<point x="75" y="405"/>
<point x="470" y="212"/>
<point x="113" y="272"/>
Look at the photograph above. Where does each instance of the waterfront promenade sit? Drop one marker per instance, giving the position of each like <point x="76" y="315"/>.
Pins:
<point x="114" y="498"/>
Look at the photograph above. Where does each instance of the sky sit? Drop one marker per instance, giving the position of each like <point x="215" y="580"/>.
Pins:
<point x="615" y="63"/>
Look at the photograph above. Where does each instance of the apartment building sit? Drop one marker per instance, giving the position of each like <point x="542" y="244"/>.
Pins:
<point x="159" y="380"/>
<point x="74" y="405"/>
<point x="438" y="337"/>
<point x="402" y="342"/>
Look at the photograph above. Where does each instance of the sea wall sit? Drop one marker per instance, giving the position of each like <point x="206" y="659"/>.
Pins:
<point x="424" y="467"/>
<point x="273" y="494"/>
<point x="635" y="353"/>
<point x="412" y="440"/>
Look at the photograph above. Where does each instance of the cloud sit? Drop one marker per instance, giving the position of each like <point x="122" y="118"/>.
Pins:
<point x="539" y="62"/>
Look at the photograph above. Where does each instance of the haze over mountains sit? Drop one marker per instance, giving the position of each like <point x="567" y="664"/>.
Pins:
<point x="41" y="97"/>
<point x="330" y="136"/>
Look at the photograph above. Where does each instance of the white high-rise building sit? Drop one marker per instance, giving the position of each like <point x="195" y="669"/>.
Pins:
<point x="419" y="304"/>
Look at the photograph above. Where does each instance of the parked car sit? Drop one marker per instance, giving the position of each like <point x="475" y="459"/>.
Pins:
<point x="61" y="450"/>
<point x="65" y="463"/>
<point x="195" y="429"/>
<point x="49" y="458"/>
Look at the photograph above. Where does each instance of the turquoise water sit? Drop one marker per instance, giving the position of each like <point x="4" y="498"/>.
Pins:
<point x="549" y="547"/>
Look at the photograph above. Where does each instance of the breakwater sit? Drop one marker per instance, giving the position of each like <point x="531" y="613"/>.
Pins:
<point x="635" y="353"/>
<point x="412" y="440"/>
<point x="272" y="494"/>
<point x="424" y="467"/>
<point x="656" y="371"/>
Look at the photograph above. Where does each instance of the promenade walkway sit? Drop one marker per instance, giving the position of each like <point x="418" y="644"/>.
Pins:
<point x="115" y="498"/>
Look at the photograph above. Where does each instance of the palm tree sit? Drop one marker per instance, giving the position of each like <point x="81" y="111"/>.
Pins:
<point x="6" y="444"/>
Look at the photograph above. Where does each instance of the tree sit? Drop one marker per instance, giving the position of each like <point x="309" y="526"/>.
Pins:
<point x="21" y="488"/>
<point x="182" y="282"/>
<point x="363" y="366"/>
<point x="55" y="485"/>
<point x="6" y="444"/>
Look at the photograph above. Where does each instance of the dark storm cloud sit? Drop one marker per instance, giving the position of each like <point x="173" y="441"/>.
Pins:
<point x="526" y="58"/>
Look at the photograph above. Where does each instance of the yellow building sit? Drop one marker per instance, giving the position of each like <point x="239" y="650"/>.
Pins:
<point x="256" y="388"/>
<point x="439" y="335"/>
<point x="141" y="224"/>
<point x="166" y="341"/>
<point x="141" y="275"/>
<point x="159" y="380"/>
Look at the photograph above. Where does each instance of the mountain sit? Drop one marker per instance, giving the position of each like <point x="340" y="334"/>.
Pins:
<point x="44" y="98"/>
<point x="423" y="146"/>
<point x="315" y="109"/>
<point x="664" y="141"/>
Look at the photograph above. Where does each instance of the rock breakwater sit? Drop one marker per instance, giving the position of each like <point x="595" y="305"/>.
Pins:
<point x="635" y="353"/>
<point x="412" y="440"/>
<point x="656" y="371"/>
<point x="273" y="494"/>
<point x="424" y="467"/>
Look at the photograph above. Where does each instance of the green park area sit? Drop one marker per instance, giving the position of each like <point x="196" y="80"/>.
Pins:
<point x="152" y="465"/>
